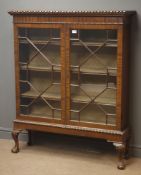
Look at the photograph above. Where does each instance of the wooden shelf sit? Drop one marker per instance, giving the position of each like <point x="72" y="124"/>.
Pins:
<point x="40" y="109"/>
<point x="91" y="67"/>
<point x="54" y="41"/>
<point x="74" y="42"/>
<point x="85" y="70"/>
<point x="41" y="68"/>
<point x="108" y="97"/>
<point x="90" y="114"/>
<point x="96" y="65"/>
<point x="94" y="43"/>
<point x="52" y="93"/>
<point x="94" y="114"/>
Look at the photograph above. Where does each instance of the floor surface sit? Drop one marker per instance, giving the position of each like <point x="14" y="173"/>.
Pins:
<point x="62" y="157"/>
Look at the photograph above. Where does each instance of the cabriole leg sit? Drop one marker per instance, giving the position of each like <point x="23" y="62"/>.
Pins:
<point x="15" y="135"/>
<point x="29" y="138"/>
<point x="120" y="147"/>
<point x="126" y="154"/>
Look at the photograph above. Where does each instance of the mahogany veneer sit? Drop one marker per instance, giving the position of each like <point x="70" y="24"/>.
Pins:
<point x="72" y="74"/>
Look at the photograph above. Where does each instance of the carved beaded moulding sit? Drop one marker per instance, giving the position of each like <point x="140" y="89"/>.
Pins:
<point x="74" y="127"/>
<point x="73" y="12"/>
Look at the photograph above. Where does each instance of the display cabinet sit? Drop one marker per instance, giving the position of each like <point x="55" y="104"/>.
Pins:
<point x="72" y="74"/>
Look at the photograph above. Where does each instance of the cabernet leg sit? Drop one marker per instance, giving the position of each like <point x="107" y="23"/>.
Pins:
<point x="15" y="135"/>
<point x="121" y="148"/>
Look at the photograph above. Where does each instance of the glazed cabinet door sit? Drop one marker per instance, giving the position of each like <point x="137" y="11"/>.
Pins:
<point x="41" y="70"/>
<point x="94" y="67"/>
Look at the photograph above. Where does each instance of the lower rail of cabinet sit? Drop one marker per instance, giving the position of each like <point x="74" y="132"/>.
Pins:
<point x="120" y="139"/>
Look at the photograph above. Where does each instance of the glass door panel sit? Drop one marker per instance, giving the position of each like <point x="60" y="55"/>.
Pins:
<point x="93" y="59"/>
<point x="40" y="72"/>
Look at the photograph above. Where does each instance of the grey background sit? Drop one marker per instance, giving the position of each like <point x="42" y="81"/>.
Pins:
<point x="7" y="85"/>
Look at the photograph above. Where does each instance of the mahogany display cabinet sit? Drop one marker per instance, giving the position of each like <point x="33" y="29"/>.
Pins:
<point x="72" y="74"/>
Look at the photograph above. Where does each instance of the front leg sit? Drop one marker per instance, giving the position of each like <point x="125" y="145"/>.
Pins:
<point x="15" y="135"/>
<point x="120" y="147"/>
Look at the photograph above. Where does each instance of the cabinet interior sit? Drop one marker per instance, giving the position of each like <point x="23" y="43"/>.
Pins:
<point x="93" y="74"/>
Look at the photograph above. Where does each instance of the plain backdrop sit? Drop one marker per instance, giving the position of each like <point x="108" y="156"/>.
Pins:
<point x="7" y="79"/>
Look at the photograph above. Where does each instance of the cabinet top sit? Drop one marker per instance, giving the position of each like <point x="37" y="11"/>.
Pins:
<point x="72" y="13"/>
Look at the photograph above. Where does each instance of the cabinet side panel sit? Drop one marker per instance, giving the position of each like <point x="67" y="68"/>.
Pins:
<point x="17" y="73"/>
<point x="119" y="77"/>
<point x="123" y="95"/>
<point x="125" y="92"/>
